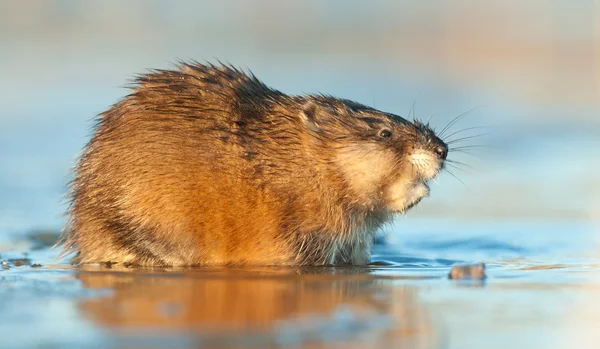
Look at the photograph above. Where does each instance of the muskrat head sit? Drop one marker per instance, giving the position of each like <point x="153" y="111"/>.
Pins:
<point x="385" y="160"/>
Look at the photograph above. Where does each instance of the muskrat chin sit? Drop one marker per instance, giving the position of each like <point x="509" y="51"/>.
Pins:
<point x="403" y="195"/>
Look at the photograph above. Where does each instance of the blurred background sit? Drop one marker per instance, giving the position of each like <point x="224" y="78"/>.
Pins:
<point x="527" y="202"/>
<point x="532" y="68"/>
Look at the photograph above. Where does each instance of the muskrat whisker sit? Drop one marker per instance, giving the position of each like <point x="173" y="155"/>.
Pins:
<point x="465" y="147"/>
<point x="459" y="163"/>
<point x="468" y="153"/>
<point x="465" y="169"/>
<point x="412" y="109"/>
<point x="465" y="129"/>
<point x="455" y="120"/>
<point x="466" y="138"/>
<point x="459" y="168"/>
<point x="452" y="122"/>
<point x="453" y="175"/>
<point x="430" y="118"/>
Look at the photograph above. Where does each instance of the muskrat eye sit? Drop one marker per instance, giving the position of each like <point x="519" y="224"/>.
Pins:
<point x="385" y="133"/>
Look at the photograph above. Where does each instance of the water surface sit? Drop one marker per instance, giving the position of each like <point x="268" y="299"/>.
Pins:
<point x="542" y="290"/>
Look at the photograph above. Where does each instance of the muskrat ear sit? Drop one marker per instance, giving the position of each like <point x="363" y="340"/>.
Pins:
<point x="309" y="115"/>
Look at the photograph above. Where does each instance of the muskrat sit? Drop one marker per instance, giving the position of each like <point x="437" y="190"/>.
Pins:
<point x="206" y="165"/>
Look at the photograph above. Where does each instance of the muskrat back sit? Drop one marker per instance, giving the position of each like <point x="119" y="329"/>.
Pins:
<point x="206" y="165"/>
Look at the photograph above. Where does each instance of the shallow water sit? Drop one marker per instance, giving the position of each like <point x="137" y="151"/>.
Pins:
<point x="542" y="290"/>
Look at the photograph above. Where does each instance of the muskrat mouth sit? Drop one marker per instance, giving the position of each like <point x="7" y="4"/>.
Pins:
<point x="419" y="191"/>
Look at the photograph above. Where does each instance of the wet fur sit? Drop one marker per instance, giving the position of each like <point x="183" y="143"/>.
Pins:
<point x="206" y="165"/>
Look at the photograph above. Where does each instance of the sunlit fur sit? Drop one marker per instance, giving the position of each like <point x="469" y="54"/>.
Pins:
<point x="206" y="165"/>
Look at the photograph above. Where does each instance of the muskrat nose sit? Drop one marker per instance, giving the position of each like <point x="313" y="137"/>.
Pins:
<point x="441" y="151"/>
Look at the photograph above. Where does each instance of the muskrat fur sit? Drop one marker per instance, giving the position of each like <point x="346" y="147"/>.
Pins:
<point x="206" y="165"/>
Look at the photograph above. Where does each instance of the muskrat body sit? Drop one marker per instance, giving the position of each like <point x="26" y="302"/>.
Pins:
<point x="206" y="165"/>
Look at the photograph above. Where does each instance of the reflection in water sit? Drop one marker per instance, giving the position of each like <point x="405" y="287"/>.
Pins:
<point x="260" y="307"/>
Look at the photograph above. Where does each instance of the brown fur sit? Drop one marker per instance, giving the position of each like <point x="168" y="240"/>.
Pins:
<point x="206" y="165"/>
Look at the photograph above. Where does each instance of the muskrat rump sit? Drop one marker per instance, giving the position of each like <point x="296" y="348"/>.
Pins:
<point x="206" y="165"/>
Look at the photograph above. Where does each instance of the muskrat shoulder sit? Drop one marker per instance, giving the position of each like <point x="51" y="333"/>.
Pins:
<point x="206" y="165"/>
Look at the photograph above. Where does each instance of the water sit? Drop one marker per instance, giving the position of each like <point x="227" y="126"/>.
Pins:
<point x="529" y="209"/>
<point x="541" y="291"/>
